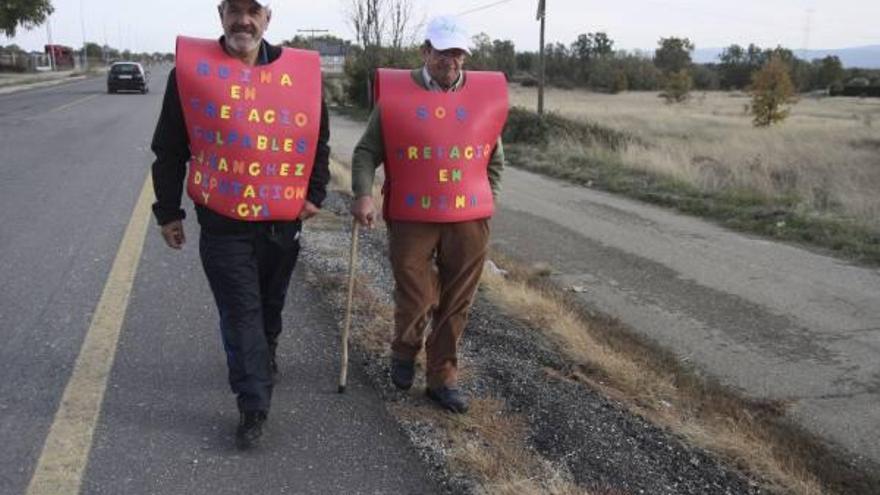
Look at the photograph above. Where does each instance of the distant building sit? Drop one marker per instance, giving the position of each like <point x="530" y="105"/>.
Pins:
<point x="333" y="53"/>
<point x="17" y="60"/>
<point x="62" y="56"/>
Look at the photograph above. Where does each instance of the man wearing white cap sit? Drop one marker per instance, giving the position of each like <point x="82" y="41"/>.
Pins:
<point x="437" y="131"/>
<point x="249" y="120"/>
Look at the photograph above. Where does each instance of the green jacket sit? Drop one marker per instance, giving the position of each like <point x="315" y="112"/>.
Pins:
<point x="370" y="153"/>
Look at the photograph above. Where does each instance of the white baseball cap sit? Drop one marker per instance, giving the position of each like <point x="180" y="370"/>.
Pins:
<point x="447" y="32"/>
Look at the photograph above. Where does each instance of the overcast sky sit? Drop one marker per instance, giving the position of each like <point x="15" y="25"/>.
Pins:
<point x="815" y="24"/>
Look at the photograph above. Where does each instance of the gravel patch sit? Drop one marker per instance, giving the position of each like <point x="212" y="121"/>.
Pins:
<point x="603" y="445"/>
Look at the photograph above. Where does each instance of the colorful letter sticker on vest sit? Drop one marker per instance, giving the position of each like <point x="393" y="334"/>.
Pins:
<point x="438" y="146"/>
<point x="253" y="131"/>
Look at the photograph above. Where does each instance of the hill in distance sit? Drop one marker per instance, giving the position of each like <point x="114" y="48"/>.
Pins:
<point x="865" y="57"/>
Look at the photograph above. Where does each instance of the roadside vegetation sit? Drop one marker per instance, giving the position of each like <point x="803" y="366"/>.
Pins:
<point x="489" y="446"/>
<point x="492" y="444"/>
<point x="752" y="141"/>
<point x="812" y="180"/>
<point x="610" y="358"/>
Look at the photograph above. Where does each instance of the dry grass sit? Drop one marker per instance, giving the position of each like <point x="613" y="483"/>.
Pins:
<point x="488" y="444"/>
<point x="492" y="446"/>
<point x="827" y="153"/>
<point x="608" y="358"/>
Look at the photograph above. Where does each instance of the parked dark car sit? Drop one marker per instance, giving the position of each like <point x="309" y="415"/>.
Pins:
<point x="129" y="76"/>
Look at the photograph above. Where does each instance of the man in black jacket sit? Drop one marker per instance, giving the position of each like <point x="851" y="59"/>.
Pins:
<point x="248" y="263"/>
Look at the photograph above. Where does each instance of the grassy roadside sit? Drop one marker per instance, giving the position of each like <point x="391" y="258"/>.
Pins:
<point x="25" y="81"/>
<point x="53" y="77"/>
<point x="591" y="155"/>
<point x="608" y="357"/>
<point x="491" y="445"/>
<point x="488" y="447"/>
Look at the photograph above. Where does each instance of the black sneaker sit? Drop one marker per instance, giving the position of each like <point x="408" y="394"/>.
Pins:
<point x="402" y="373"/>
<point x="449" y="398"/>
<point x="250" y="429"/>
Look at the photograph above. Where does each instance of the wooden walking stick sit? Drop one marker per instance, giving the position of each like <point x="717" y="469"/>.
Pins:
<point x="352" y="270"/>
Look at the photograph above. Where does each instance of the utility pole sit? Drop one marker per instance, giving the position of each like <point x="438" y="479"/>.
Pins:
<point x="542" y="14"/>
<point x="51" y="46"/>
<point x="104" y="48"/>
<point x="82" y="20"/>
<point x="808" y="27"/>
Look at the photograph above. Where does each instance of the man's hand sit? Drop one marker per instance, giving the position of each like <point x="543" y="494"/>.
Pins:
<point x="363" y="210"/>
<point x="173" y="234"/>
<point x="309" y="210"/>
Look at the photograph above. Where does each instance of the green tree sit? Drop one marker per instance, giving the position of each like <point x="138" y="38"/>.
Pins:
<point x="298" y="42"/>
<point x="621" y="83"/>
<point x="641" y="74"/>
<point x="829" y="71"/>
<point x="738" y="64"/>
<point x="591" y="46"/>
<point x="772" y="91"/>
<point x="603" y="46"/>
<point x="678" y="86"/>
<point x="481" y="52"/>
<point x="706" y="77"/>
<point x="673" y="54"/>
<point x="504" y="57"/>
<point x="94" y="50"/>
<point x="585" y="52"/>
<point x="526" y="61"/>
<point x="561" y="66"/>
<point x="602" y="76"/>
<point x="23" y="13"/>
<point x="582" y="48"/>
<point x="734" y="67"/>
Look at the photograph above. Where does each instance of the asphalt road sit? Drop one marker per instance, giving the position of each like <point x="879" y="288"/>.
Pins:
<point x="73" y="161"/>
<point x="772" y="320"/>
<point x="775" y="321"/>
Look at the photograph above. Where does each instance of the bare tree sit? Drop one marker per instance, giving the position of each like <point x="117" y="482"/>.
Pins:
<point x="384" y="29"/>
<point x="380" y="23"/>
<point x="367" y="20"/>
<point x="401" y="29"/>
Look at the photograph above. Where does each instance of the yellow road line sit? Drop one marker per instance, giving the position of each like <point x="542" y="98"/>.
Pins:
<point x="63" y="460"/>
<point x="73" y="103"/>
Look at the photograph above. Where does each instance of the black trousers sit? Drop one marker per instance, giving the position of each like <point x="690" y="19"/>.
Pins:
<point x="249" y="274"/>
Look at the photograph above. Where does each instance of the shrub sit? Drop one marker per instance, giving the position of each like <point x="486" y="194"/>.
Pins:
<point x="526" y="127"/>
<point x="621" y="83"/>
<point x="528" y="82"/>
<point x="678" y="86"/>
<point x="772" y="90"/>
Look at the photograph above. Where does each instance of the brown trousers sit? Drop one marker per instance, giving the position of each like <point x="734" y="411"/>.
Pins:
<point x="437" y="268"/>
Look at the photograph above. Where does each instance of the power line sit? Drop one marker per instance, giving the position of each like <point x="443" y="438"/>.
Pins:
<point x="484" y="7"/>
<point x="312" y="32"/>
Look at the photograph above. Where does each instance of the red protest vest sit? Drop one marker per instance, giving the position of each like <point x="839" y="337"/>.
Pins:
<point x="438" y="146"/>
<point x="253" y="131"/>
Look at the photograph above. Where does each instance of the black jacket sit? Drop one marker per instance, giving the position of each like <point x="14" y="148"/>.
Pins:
<point x="171" y="146"/>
